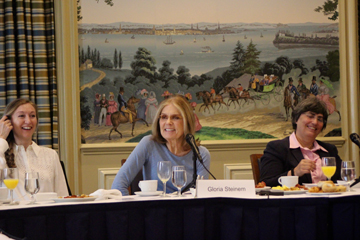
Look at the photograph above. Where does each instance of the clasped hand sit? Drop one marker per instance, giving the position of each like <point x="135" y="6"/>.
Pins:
<point x="305" y="166"/>
<point x="5" y="127"/>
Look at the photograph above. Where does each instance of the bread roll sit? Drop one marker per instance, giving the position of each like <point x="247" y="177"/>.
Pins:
<point x="341" y="188"/>
<point x="328" y="187"/>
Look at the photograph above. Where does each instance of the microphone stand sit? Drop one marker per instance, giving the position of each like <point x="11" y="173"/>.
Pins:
<point x="193" y="182"/>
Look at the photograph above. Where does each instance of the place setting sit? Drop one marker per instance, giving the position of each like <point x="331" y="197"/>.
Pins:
<point x="328" y="166"/>
<point x="165" y="172"/>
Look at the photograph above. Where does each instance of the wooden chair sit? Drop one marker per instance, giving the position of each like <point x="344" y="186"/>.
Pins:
<point x="67" y="184"/>
<point x="255" y="162"/>
<point x="134" y="185"/>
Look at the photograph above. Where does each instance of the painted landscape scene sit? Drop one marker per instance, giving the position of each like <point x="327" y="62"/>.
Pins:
<point x="234" y="69"/>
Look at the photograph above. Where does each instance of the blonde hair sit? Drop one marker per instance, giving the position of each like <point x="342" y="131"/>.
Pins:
<point x="181" y="104"/>
<point x="9" y="111"/>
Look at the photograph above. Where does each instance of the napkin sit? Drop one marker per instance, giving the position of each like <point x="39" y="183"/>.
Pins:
<point x="102" y="194"/>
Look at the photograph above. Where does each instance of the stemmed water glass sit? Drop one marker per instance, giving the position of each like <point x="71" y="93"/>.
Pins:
<point x="32" y="184"/>
<point x="164" y="173"/>
<point x="348" y="171"/>
<point x="178" y="178"/>
<point x="11" y="180"/>
<point x="328" y="166"/>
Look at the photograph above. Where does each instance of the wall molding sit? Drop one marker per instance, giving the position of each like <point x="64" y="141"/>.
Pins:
<point x="239" y="168"/>
<point x="105" y="176"/>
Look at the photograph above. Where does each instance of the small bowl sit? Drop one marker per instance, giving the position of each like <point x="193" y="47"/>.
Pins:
<point x="310" y="185"/>
<point x="45" y="196"/>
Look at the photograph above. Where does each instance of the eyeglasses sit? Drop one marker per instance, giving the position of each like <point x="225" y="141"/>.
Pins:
<point x="313" y="115"/>
<point x="164" y="117"/>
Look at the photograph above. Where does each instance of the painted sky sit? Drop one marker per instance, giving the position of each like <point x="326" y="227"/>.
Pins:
<point x="193" y="11"/>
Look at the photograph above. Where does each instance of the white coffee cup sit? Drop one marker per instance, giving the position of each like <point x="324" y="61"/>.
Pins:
<point x="148" y="185"/>
<point x="4" y="193"/>
<point x="289" y="181"/>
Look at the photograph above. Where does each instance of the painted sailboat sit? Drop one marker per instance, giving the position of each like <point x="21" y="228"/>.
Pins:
<point x="169" y="41"/>
<point x="245" y="37"/>
<point x="133" y="37"/>
<point x="223" y="38"/>
<point x="261" y="35"/>
<point x="207" y="49"/>
<point x="195" y="40"/>
<point x="106" y="41"/>
<point x="181" y="52"/>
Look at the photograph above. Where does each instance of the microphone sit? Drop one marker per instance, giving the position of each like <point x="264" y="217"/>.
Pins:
<point x="191" y="141"/>
<point x="354" y="137"/>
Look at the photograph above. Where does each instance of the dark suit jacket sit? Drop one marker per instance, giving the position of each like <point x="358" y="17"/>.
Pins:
<point x="279" y="159"/>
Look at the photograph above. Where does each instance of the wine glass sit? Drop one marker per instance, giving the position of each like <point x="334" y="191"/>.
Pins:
<point x="348" y="171"/>
<point x="178" y="178"/>
<point x="32" y="184"/>
<point x="164" y="173"/>
<point x="11" y="180"/>
<point x="328" y="166"/>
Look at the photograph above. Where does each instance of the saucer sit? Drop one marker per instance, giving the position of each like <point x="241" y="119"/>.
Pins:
<point x="5" y="200"/>
<point x="157" y="193"/>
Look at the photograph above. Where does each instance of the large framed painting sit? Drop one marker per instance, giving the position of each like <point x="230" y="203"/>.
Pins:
<point x="235" y="62"/>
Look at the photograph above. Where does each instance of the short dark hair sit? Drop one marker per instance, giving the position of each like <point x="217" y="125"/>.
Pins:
<point x="311" y="104"/>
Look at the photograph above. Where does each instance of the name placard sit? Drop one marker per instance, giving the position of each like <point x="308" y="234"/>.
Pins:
<point x="225" y="188"/>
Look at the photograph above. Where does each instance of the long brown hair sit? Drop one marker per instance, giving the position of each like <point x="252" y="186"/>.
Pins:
<point x="9" y="111"/>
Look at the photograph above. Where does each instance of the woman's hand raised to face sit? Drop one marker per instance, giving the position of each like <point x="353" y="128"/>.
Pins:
<point x="5" y="127"/>
<point x="305" y="166"/>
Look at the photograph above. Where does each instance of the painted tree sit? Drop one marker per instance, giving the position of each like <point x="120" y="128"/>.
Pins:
<point x="115" y="59"/>
<point x="120" y="60"/>
<point x="184" y="75"/>
<point x="298" y="63"/>
<point x="333" y="59"/>
<point x="88" y="53"/>
<point x="218" y="84"/>
<point x="166" y="73"/>
<point x="85" y="113"/>
<point x="329" y="8"/>
<point x="285" y="64"/>
<point x="144" y="65"/>
<point x="203" y="78"/>
<point x="237" y="63"/>
<point x="251" y="59"/>
<point x="98" y="59"/>
<point x="106" y="63"/>
<point x="329" y="68"/>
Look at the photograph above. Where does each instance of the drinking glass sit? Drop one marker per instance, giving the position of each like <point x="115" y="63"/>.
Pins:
<point x="328" y="166"/>
<point x="11" y="180"/>
<point x="32" y="184"/>
<point x="348" y="171"/>
<point x="164" y="173"/>
<point x="178" y="178"/>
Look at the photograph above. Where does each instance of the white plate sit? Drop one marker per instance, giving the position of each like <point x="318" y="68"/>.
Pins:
<point x="310" y="185"/>
<point x="5" y="200"/>
<point x="264" y="188"/>
<point x="289" y="192"/>
<point x="324" y="193"/>
<point x="85" y="199"/>
<point x="157" y="193"/>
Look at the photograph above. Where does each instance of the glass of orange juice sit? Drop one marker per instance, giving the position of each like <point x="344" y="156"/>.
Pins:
<point x="328" y="166"/>
<point x="11" y="180"/>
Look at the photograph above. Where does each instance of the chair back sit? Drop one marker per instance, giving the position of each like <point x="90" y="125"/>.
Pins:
<point x="67" y="184"/>
<point x="134" y="185"/>
<point x="255" y="162"/>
